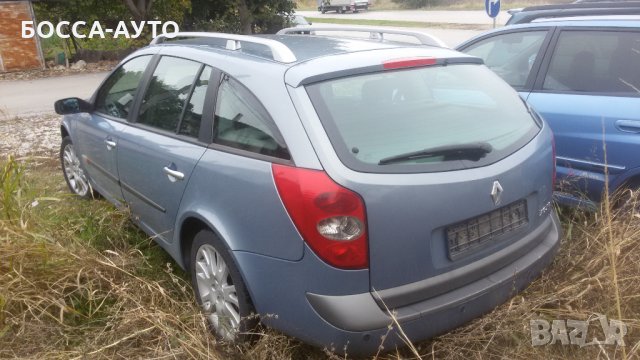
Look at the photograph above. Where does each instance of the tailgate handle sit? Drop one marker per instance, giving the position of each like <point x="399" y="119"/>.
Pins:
<point x="632" y="126"/>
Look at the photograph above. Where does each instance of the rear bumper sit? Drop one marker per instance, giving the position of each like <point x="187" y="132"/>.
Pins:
<point x="361" y="313"/>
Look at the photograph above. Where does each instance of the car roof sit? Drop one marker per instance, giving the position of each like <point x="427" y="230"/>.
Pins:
<point x="583" y="21"/>
<point x="313" y="57"/>
<point x="573" y="22"/>
<point x="298" y="44"/>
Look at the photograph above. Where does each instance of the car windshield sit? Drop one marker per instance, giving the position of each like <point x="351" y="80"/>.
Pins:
<point x="411" y="115"/>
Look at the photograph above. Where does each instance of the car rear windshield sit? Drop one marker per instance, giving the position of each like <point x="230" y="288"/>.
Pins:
<point x="427" y="119"/>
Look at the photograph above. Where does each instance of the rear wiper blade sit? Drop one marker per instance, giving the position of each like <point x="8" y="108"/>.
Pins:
<point x="470" y="151"/>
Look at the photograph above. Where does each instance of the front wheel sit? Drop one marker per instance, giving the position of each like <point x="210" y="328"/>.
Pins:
<point x="74" y="175"/>
<point x="220" y="290"/>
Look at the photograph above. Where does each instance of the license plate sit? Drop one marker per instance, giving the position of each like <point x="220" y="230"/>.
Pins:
<point x="470" y="234"/>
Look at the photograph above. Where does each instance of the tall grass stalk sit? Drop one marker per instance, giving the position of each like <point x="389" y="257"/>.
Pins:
<point x="612" y="244"/>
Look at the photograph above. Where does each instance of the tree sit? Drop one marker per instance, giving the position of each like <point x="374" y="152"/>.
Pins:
<point x="143" y="10"/>
<point x="242" y="16"/>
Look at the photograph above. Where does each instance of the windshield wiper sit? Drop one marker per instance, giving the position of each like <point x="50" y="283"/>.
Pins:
<point x="470" y="151"/>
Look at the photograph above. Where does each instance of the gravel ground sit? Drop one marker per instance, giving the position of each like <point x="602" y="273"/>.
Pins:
<point x="35" y="135"/>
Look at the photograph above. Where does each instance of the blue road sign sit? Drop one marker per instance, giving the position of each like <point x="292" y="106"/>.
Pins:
<point x="492" y="7"/>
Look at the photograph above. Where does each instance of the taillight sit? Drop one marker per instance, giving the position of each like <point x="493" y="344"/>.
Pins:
<point x="330" y="218"/>
<point x="553" y="158"/>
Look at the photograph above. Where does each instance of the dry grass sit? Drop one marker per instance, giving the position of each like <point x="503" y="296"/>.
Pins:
<point x="77" y="280"/>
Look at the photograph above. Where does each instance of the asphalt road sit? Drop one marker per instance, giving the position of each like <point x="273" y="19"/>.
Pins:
<point x="25" y="97"/>
<point x="475" y="17"/>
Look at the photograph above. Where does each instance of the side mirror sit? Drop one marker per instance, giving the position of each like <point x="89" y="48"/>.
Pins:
<point x="310" y="23"/>
<point x="72" y="106"/>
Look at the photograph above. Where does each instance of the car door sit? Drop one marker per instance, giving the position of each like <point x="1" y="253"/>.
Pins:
<point x="589" y="93"/>
<point x="515" y="55"/>
<point x="158" y="152"/>
<point x="96" y="135"/>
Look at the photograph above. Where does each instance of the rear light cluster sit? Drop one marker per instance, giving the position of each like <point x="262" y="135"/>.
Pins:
<point x="330" y="218"/>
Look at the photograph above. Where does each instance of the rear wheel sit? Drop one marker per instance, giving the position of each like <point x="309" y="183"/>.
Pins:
<point x="220" y="290"/>
<point x="74" y="175"/>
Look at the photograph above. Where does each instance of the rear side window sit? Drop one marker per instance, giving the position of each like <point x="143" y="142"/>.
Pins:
<point x="595" y="62"/>
<point x="461" y="116"/>
<point x="116" y="96"/>
<point x="510" y="55"/>
<point x="167" y="93"/>
<point x="241" y="122"/>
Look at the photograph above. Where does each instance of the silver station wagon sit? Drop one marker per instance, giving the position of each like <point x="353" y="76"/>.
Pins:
<point x="323" y="182"/>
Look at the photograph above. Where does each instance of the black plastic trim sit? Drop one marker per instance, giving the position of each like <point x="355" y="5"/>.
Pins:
<point x="142" y="197"/>
<point x="104" y="171"/>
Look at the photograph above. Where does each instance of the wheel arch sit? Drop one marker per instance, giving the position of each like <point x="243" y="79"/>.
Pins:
<point x="64" y="132"/>
<point x="191" y="224"/>
<point x="189" y="227"/>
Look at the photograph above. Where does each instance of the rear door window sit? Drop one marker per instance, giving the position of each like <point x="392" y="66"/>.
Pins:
<point x="600" y="62"/>
<point x="462" y="116"/>
<point x="510" y="55"/>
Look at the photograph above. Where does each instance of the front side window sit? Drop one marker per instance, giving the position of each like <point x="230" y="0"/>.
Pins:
<point x="510" y="55"/>
<point x="116" y="96"/>
<point x="242" y="122"/>
<point x="167" y="93"/>
<point x="595" y="62"/>
<point x="436" y="118"/>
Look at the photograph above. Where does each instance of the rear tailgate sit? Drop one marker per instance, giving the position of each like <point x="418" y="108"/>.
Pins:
<point x="429" y="217"/>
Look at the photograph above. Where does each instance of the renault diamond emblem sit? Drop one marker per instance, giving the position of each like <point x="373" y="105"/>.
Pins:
<point x="496" y="192"/>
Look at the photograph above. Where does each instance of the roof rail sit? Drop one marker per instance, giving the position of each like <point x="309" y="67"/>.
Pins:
<point x="375" y="33"/>
<point x="589" y="18"/>
<point x="279" y="50"/>
<point x="532" y="13"/>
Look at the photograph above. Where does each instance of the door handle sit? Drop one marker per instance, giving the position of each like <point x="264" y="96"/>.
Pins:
<point x="632" y="126"/>
<point x="173" y="174"/>
<point x="110" y="144"/>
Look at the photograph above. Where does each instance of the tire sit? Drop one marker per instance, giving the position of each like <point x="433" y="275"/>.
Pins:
<point x="75" y="177"/>
<point x="232" y="316"/>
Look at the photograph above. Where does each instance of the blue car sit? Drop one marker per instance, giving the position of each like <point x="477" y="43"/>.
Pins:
<point x="317" y="183"/>
<point x="582" y="74"/>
